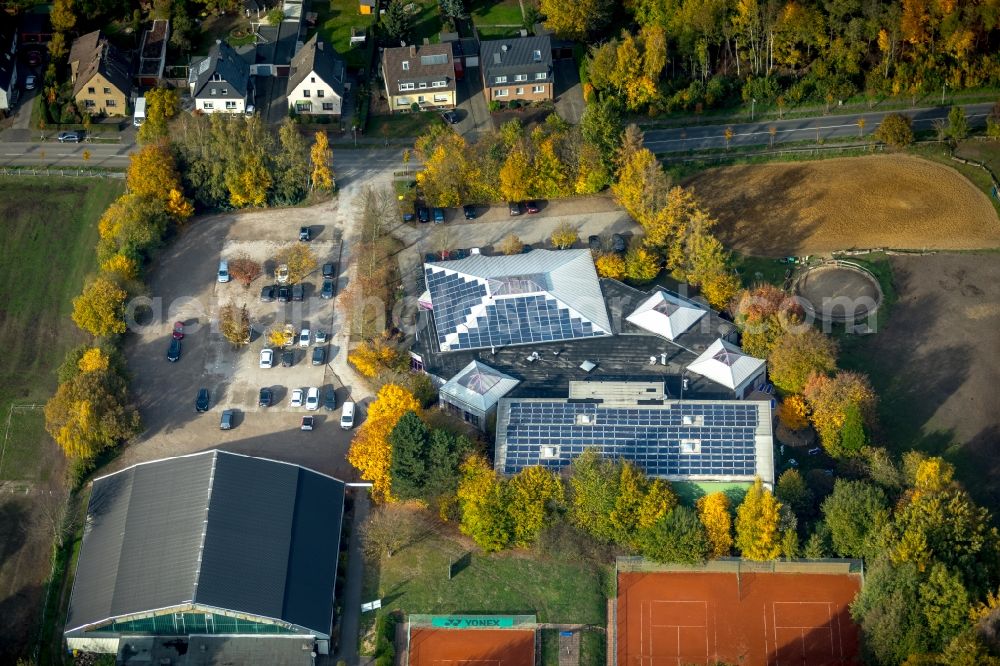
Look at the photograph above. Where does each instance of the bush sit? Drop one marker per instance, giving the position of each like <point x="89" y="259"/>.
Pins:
<point x="762" y="88"/>
<point x="494" y="106"/>
<point x="896" y="131"/>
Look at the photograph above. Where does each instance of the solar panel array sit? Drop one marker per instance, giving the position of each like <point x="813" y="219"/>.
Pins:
<point x="506" y="321"/>
<point x="648" y="435"/>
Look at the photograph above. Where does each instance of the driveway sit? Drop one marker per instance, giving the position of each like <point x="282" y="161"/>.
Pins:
<point x="474" y="114"/>
<point x="569" y="91"/>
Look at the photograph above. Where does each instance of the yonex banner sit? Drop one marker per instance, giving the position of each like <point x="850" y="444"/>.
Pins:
<point x="472" y="621"/>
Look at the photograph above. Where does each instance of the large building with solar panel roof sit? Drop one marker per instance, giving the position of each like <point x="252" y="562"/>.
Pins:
<point x="208" y="558"/>
<point x="702" y="442"/>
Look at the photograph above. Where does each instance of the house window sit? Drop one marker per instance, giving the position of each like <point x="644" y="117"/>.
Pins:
<point x="421" y="99"/>
<point x="225" y="91"/>
<point x="91" y="90"/>
<point x="212" y="92"/>
<point x="541" y="76"/>
<point x="303" y="107"/>
<point x="538" y="89"/>
<point x="312" y="79"/>
<point x="230" y="105"/>
<point x="423" y="85"/>
<point x="520" y="77"/>
<point x="439" y="84"/>
<point x="306" y="93"/>
<point x="328" y="106"/>
<point x="107" y="91"/>
<point x="500" y="93"/>
<point x="501" y="79"/>
<point x="88" y="103"/>
<point x="406" y="65"/>
<point x="519" y="91"/>
<point x="441" y="98"/>
<point x="110" y="103"/>
<point x="208" y="106"/>
<point x="320" y="93"/>
<point x="402" y="101"/>
<point x="406" y="86"/>
<point x="536" y="56"/>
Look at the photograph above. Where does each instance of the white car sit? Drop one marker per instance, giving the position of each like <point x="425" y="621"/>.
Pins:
<point x="304" y="337"/>
<point x="224" y="271"/>
<point x="267" y="358"/>
<point x="296" y="398"/>
<point x="281" y="274"/>
<point x="320" y="337"/>
<point x="312" y="399"/>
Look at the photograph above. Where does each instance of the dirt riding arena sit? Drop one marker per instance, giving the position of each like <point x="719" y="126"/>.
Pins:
<point x="472" y="647"/>
<point x="893" y="201"/>
<point x="754" y="619"/>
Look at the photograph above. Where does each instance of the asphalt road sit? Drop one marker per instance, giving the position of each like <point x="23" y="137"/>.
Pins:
<point x="710" y="137"/>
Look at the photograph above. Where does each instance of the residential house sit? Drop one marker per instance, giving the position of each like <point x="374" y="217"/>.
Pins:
<point x="517" y="68"/>
<point x="101" y="75"/>
<point x="423" y="75"/>
<point x="8" y="66"/>
<point x="221" y="82"/>
<point x="316" y="82"/>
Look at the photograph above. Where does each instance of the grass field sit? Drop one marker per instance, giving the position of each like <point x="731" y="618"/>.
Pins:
<point x="335" y="20"/>
<point x="894" y="201"/>
<point x="496" y="12"/>
<point x="402" y="125"/>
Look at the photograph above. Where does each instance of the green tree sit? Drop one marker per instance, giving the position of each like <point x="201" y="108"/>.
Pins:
<point x="792" y="491"/>
<point x="818" y="545"/>
<point x="797" y="354"/>
<point x="162" y="105"/>
<point x="958" y="124"/>
<point x="601" y="126"/>
<point x="593" y="494"/>
<point x="677" y="536"/>
<point x="453" y="9"/>
<point x="292" y="165"/>
<point x="483" y="499"/>
<point x="91" y="412"/>
<point x="895" y="130"/>
<point x="396" y="21"/>
<point x="757" y="533"/>
<point x="445" y="454"/>
<point x="945" y="604"/>
<point x="855" y="512"/>
<point x="889" y="613"/>
<point x="408" y="471"/>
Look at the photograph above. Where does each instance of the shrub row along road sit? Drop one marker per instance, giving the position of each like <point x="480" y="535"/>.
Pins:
<point x="711" y="137"/>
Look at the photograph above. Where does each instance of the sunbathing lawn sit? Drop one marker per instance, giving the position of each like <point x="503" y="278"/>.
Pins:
<point x="427" y="22"/>
<point x="487" y="13"/>
<point x="335" y="20"/>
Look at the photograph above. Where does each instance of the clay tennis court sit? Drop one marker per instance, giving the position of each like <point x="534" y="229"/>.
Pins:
<point x="753" y="619"/>
<point x="472" y="647"/>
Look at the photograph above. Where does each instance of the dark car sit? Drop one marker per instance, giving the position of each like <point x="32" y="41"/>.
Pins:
<point x="438" y="215"/>
<point x="266" y="398"/>
<point x="594" y="243"/>
<point x="515" y="207"/>
<point x="287" y="359"/>
<point x="267" y="293"/>
<point x="470" y="211"/>
<point x="319" y="355"/>
<point x="408" y="215"/>
<point x="450" y="117"/>
<point x="174" y="353"/>
<point x="70" y="137"/>
<point x="34" y="58"/>
<point x="327" y="291"/>
<point x="617" y="243"/>
<point x="308" y="423"/>
<point x="329" y="271"/>
<point x="226" y="422"/>
<point x="178" y="333"/>
<point x="284" y="294"/>
<point x="532" y="206"/>
<point x="423" y="215"/>
<point x="305" y="234"/>
<point x="298" y="292"/>
<point x="201" y="402"/>
<point x="329" y="399"/>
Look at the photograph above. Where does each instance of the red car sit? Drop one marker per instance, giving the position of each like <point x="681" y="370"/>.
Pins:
<point x="178" y="330"/>
<point x="532" y="207"/>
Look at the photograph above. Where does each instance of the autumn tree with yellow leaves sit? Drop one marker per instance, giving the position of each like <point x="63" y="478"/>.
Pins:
<point x="714" y="513"/>
<point x="564" y="235"/>
<point x="839" y="405"/>
<point x="121" y="267"/>
<point x="483" y="501"/>
<point x="377" y="356"/>
<point x="371" y="452"/>
<point x="320" y="156"/>
<point x="763" y="314"/>
<point x="533" y="495"/>
<point x="799" y="354"/>
<point x="610" y="265"/>
<point x="757" y="524"/>
<point x="100" y="309"/>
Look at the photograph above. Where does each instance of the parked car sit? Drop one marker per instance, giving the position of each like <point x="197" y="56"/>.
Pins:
<point x="284" y="294"/>
<point x="224" y="271"/>
<point x="267" y="293"/>
<point x="423" y="215"/>
<point x="201" y="402"/>
<point x="70" y="137"/>
<point x="329" y="399"/>
<point x="514" y="207"/>
<point x="312" y="399"/>
<point x="34" y="58"/>
<point x="178" y="333"/>
<point x="308" y="423"/>
<point x="532" y="206"/>
<point x="594" y="243"/>
<point x="319" y="355"/>
<point x="438" y="215"/>
<point x="29" y="82"/>
<point x="298" y="292"/>
<point x="304" y="337"/>
<point x="281" y="273"/>
<point x="617" y="243"/>
<point x="287" y="359"/>
<point x="226" y="422"/>
<point x="470" y="211"/>
<point x="327" y="290"/>
<point x="289" y="335"/>
<point x="450" y="117"/>
<point x="305" y="234"/>
<point x="174" y="352"/>
<point x="267" y="358"/>
<point x="266" y="397"/>
<point x="329" y="271"/>
<point x="320" y="336"/>
<point x="409" y="215"/>
<point x="347" y="416"/>
<point x="297" y="397"/>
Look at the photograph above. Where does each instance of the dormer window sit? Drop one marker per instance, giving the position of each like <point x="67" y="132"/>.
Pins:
<point x="501" y="79"/>
<point x="406" y="65"/>
<point x="216" y="77"/>
<point x="536" y="56"/>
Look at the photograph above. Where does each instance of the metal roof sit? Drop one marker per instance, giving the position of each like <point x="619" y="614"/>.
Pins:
<point x="725" y="363"/>
<point x="667" y="314"/>
<point x="516" y="55"/>
<point x="232" y="69"/>
<point x="479" y="386"/>
<point x="213" y="530"/>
